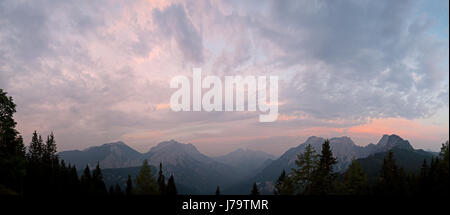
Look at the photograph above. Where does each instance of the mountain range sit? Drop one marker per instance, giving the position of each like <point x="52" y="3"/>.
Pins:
<point x="196" y="173"/>
<point x="199" y="173"/>
<point x="343" y="148"/>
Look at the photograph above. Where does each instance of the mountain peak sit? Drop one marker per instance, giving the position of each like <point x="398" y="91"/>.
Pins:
<point x="109" y="155"/>
<point x="168" y="143"/>
<point x="107" y="145"/>
<point x="313" y="140"/>
<point x="118" y="143"/>
<point x="387" y="142"/>
<point x="174" y="145"/>
<point x="172" y="151"/>
<point x="343" y="139"/>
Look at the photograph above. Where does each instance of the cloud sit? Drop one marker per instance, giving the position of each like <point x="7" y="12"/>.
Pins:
<point x="96" y="72"/>
<point x="173" y="21"/>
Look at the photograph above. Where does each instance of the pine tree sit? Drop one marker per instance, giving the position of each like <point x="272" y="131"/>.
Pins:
<point x="324" y="176"/>
<point x="442" y="171"/>
<point x="392" y="178"/>
<point x="98" y="184"/>
<point x="129" y="188"/>
<point x="49" y="150"/>
<point x="118" y="190"/>
<point x="35" y="150"/>
<point x="50" y="164"/>
<point x="255" y="190"/>
<point x="444" y="153"/>
<point x="145" y="183"/>
<point x="86" y="181"/>
<point x="307" y="163"/>
<point x="355" y="180"/>
<point x="62" y="177"/>
<point x="171" y="188"/>
<point x="423" y="178"/>
<point x="111" y="191"/>
<point x="12" y="149"/>
<point x="217" y="191"/>
<point x="161" y="181"/>
<point x="74" y="182"/>
<point x="284" y="185"/>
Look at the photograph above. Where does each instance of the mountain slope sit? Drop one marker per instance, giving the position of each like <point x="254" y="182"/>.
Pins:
<point x="192" y="168"/>
<point x="109" y="155"/>
<point x="248" y="162"/>
<point x="195" y="172"/>
<point x="344" y="149"/>
<point x="409" y="160"/>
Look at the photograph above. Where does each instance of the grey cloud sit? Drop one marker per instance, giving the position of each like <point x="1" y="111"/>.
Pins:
<point x="335" y="53"/>
<point x="174" y="22"/>
<point x="356" y="41"/>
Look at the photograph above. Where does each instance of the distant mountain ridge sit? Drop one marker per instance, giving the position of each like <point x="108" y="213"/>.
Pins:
<point x="192" y="168"/>
<point x="109" y="155"/>
<point x="246" y="161"/>
<point x="343" y="148"/>
<point x="200" y="174"/>
<point x="409" y="160"/>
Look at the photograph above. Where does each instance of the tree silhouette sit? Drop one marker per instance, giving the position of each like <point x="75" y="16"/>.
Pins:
<point x="171" y="188"/>
<point x="217" y="191"/>
<point x="324" y="176"/>
<point x="161" y="181"/>
<point x="118" y="190"/>
<point x="36" y="149"/>
<point x="145" y="183"/>
<point x="307" y="163"/>
<point x="284" y="185"/>
<point x="255" y="190"/>
<point x="86" y="181"/>
<point x="12" y="149"/>
<point x="129" y="188"/>
<point x="98" y="185"/>
<point x="355" y="180"/>
<point x="391" y="179"/>
<point x="49" y="150"/>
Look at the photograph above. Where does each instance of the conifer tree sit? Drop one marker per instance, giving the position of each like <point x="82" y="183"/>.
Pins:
<point x="111" y="191"/>
<point x="12" y="149"/>
<point x="443" y="170"/>
<point x="49" y="149"/>
<point x="98" y="184"/>
<point x="145" y="183"/>
<point x="307" y="163"/>
<point x="284" y="185"/>
<point x="118" y="190"/>
<point x="50" y="164"/>
<point x="391" y="179"/>
<point x="355" y="180"/>
<point x="129" y="188"/>
<point x="423" y="178"/>
<point x="161" y="181"/>
<point x="74" y="182"/>
<point x="324" y="176"/>
<point x="86" y="181"/>
<point x="171" y="188"/>
<point x="217" y="191"/>
<point x="35" y="179"/>
<point x="444" y="153"/>
<point x="255" y="190"/>
<point x="35" y="150"/>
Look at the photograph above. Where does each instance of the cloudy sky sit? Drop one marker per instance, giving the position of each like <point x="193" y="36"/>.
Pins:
<point x="99" y="71"/>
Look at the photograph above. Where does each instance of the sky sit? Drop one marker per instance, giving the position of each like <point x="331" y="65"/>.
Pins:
<point x="95" y="72"/>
